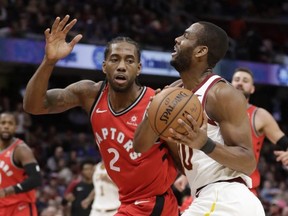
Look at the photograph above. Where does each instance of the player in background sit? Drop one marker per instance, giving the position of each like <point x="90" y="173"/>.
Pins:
<point x="81" y="190"/>
<point x="262" y="122"/>
<point x="19" y="172"/>
<point x="105" y="195"/>
<point x="218" y="156"/>
<point x="116" y="106"/>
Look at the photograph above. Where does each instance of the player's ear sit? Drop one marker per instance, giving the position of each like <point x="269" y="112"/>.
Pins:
<point x="139" y="67"/>
<point x="201" y="51"/>
<point x="252" y="89"/>
<point x="104" y="67"/>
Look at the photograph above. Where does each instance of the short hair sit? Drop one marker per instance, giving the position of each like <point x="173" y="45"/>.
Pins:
<point x="245" y="70"/>
<point x="86" y="161"/>
<point x="10" y="114"/>
<point x="216" y="39"/>
<point x="119" y="40"/>
<point x="128" y="40"/>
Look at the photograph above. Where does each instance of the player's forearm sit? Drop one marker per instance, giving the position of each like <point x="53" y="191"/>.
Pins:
<point x="90" y="197"/>
<point x="33" y="180"/>
<point x="35" y="94"/>
<point x="144" y="137"/>
<point x="235" y="157"/>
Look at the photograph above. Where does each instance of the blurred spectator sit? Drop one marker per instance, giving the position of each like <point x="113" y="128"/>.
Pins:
<point x="24" y="122"/>
<point x="5" y="102"/>
<point x="65" y="172"/>
<point x="105" y="195"/>
<point x="154" y="24"/>
<point x="52" y="162"/>
<point x="276" y="207"/>
<point x="4" y="25"/>
<point x="81" y="190"/>
<point x="51" y="211"/>
<point x="268" y="192"/>
<point x="237" y="27"/>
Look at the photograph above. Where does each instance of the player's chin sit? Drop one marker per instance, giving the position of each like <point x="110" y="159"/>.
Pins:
<point x="120" y="87"/>
<point x="6" y="136"/>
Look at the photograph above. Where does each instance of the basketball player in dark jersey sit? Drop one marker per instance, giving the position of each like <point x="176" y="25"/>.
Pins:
<point x="19" y="172"/>
<point x="116" y="108"/>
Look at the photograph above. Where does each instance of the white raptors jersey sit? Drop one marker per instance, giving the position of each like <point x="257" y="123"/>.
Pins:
<point x="106" y="192"/>
<point x="199" y="168"/>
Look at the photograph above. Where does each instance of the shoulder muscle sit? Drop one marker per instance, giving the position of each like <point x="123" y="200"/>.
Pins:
<point x="23" y="154"/>
<point x="223" y="101"/>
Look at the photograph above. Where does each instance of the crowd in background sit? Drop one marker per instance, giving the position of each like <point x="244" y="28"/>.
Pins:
<point x="57" y="141"/>
<point x="257" y="29"/>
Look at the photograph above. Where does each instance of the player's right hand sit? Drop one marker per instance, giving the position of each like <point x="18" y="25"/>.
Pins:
<point x="56" y="46"/>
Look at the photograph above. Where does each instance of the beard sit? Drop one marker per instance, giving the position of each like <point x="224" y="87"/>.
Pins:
<point x="182" y="60"/>
<point x="245" y="93"/>
<point x="6" y="137"/>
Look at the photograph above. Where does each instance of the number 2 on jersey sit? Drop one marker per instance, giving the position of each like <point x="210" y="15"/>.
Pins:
<point x="114" y="160"/>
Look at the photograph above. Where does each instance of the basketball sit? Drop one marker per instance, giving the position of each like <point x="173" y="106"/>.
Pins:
<point x="170" y="105"/>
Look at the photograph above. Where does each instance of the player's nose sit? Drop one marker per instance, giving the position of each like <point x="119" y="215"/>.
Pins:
<point x="121" y="66"/>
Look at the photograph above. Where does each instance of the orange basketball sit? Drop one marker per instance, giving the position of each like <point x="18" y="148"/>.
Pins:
<point x="170" y="105"/>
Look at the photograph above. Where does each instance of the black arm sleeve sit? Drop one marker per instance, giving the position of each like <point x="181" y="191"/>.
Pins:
<point x="34" y="179"/>
<point x="282" y="143"/>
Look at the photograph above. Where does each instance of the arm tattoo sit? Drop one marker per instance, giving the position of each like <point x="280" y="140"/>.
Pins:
<point x="59" y="100"/>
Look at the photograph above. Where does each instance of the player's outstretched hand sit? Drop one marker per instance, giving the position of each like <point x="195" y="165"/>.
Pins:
<point x="56" y="45"/>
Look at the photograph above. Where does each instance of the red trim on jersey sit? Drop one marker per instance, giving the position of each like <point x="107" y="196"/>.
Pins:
<point x="203" y="82"/>
<point x="257" y="141"/>
<point x="210" y="121"/>
<point x="16" y="142"/>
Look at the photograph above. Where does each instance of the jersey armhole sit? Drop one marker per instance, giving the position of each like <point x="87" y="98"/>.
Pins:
<point x="97" y="96"/>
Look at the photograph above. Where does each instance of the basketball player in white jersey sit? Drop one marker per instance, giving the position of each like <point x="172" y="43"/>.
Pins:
<point x="105" y="193"/>
<point x="218" y="156"/>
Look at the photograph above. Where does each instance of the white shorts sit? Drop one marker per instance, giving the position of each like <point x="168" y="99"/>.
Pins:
<point x="95" y="212"/>
<point x="225" y="199"/>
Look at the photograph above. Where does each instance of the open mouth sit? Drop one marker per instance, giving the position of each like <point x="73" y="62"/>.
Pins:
<point x="239" y="88"/>
<point x="120" y="78"/>
<point x="175" y="51"/>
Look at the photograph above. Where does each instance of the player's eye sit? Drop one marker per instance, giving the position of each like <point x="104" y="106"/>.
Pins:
<point x="130" y="61"/>
<point x="114" y="59"/>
